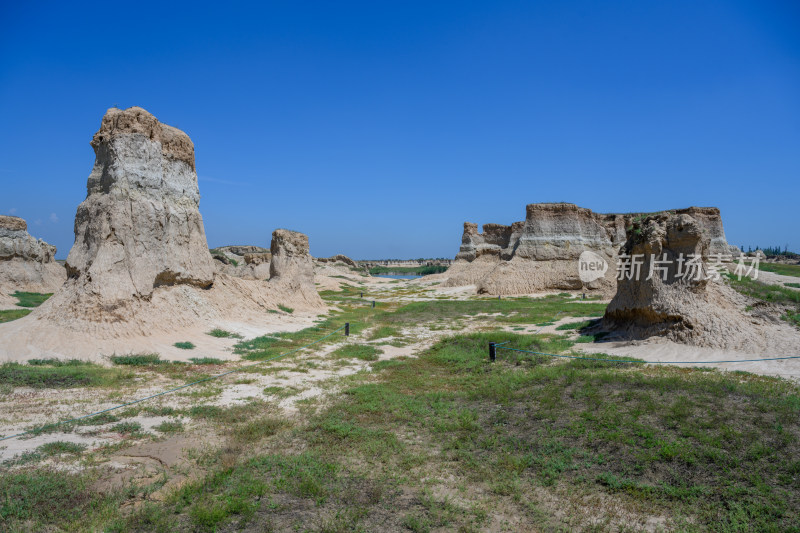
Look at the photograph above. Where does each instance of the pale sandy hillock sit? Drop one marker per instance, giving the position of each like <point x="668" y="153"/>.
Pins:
<point x="27" y="264"/>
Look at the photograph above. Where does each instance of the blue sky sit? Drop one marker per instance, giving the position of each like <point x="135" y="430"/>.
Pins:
<point x="379" y="127"/>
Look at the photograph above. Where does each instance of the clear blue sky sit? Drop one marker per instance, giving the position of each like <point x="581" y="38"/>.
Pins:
<point x="379" y="127"/>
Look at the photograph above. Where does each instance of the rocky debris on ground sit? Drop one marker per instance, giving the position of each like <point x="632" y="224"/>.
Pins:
<point x="27" y="264"/>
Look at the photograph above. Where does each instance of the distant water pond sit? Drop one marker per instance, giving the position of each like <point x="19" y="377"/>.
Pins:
<point x="398" y="276"/>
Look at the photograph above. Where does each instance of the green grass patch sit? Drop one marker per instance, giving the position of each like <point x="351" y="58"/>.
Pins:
<point x="780" y="268"/>
<point x="573" y="325"/>
<point x="169" y="427"/>
<point x="222" y="334"/>
<point x="184" y="345"/>
<point x="363" y="352"/>
<point x="31" y="299"/>
<point x="141" y="359"/>
<point x="794" y="285"/>
<point x="69" y="375"/>
<point x="60" y="447"/>
<point x="33" y="499"/>
<point x="206" y="361"/>
<point x="7" y="315"/>
<point x="285" y="309"/>
<point x="384" y="332"/>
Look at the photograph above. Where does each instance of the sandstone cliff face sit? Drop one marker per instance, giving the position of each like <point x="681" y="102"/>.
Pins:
<point x="680" y="303"/>
<point x="140" y="225"/>
<point x="538" y="254"/>
<point x="542" y="252"/>
<point x="27" y="264"/>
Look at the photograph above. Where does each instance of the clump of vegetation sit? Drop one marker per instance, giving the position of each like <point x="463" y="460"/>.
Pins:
<point x="573" y="325"/>
<point x="206" y="361"/>
<point x="127" y="428"/>
<point x="141" y="359"/>
<point x="384" y="331"/>
<point x="794" y="285"/>
<point x="285" y="309"/>
<point x="769" y="293"/>
<point x="31" y="299"/>
<point x="364" y="352"/>
<point x="169" y="427"/>
<point x="60" y="447"/>
<point x="7" y="315"/>
<point x="184" y="345"/>
<point x="222" y="334"/>
<point x="61" y="375"/>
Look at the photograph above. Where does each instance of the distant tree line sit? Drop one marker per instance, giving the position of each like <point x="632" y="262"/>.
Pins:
<point x="771" y="250"/>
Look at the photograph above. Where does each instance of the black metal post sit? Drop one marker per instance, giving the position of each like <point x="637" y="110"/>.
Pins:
<point x="373" y="304"/>
<point x="492" y="352"/>
<point x="347" y="329"/>
<point x="362" y="294"/>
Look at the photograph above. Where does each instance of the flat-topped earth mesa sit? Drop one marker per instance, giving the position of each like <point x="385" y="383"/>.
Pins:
<point x="140" y="270"/>
<point x="542" y="252"/>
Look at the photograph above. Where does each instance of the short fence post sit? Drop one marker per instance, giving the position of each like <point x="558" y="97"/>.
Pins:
<point x="362" y="294"/>
<point x="347" y="329"/>
<point x="492" y="352"/>
<point x="498" y="297"/>
<point x="373" y="304"/>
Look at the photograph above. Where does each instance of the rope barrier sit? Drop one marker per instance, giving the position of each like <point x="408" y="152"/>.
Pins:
<point x="209" y="378"/>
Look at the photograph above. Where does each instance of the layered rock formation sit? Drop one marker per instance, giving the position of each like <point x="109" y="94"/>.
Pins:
<point x="140" y="226"/>
<point x="680" y="301"/>
<point x="27" y="264"/>
<point x="140" y="263"/>
<point x="538" y="254"/>
<point x="542" y="253"/>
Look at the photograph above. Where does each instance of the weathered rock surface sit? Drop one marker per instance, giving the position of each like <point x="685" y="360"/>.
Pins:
<point x="291" y="265"/>
<point x="27" y="264"/>
<point x="682" y="303"/>
<point x="538" y="254"/>
<point x="140" y="263"/>
<point x="710" y="221"/>
<point x="140" y="225"/>
<point x="541" y="253"/>
<point x="338" y="258"/>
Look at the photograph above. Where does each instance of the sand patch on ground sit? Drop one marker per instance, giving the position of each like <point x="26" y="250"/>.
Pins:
<point x="663" y="350"/>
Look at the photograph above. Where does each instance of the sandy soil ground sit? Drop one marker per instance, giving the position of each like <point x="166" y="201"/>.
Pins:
<point x="311" y="375"/>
